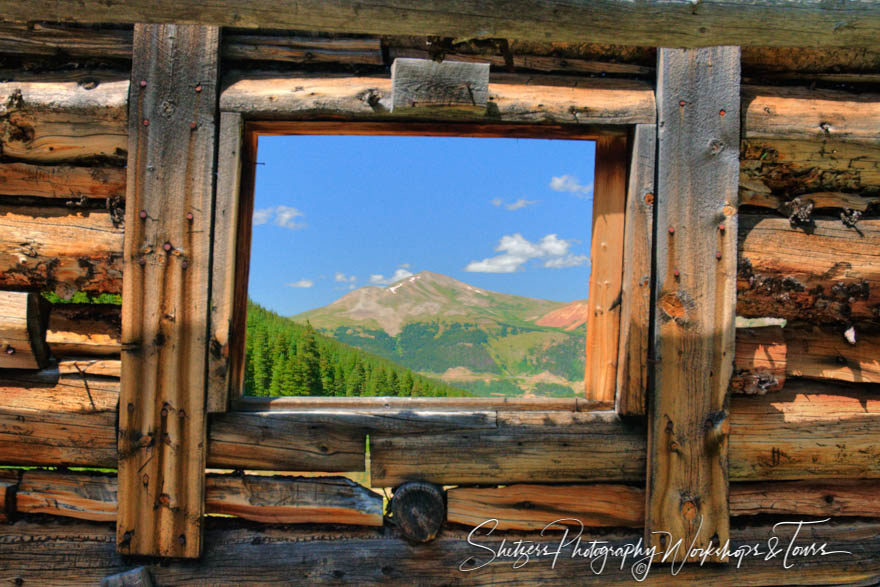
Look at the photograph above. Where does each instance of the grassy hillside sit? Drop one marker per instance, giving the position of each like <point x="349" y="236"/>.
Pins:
<point x="285" y="358"/>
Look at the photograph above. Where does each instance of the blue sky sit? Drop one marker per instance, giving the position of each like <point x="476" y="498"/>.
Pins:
<point x="334" y="213"/>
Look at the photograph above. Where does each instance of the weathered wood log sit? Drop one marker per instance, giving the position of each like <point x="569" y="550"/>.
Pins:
<point x="51" y="390"/>
<point x="764" y="356"/>
<point x="817" y="200"/>
<point x="23" y="319"/>
<point x="63" y="121"/>
<point x="292" y="49"/>
<point x="424" y="85"/>
<point x="54" y="554"/>
<point x="525" y="447"/>
<point x="44" y="38"/>
<point x="9" y="479"/>
<point x="635" y="344"/>
<point x="84" y="330"/>
<point x="809" y="430"/>
<point x="65" y="250"/>
<point x="90" y="366"/>
<point x="172" y="144"/>
<point x="283" y="500"/>
<point x="535" y="507"/>
<point x="698" y="98"/>
<point x="824" y="273"/>
<point x="137" y="577"/>
<point x="61" y="181"/>
<point x="506" y="404"/>
<point x="653" y="23"/>
<point x="418" y="510"/>
<point x="784" y="112"/>
<point x="606" y="274"/>
<point x="544" y="63"/>
<point x="513" y="98"/>
<point x="794" y="167"/>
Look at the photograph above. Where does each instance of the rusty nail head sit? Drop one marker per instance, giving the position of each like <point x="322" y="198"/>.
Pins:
<point x="193" y="125"/>
<point x="143" y="83"/>
<point x="681" y="103"/>
<point x="10" y="350"/>
<point x="676" y="273"/>
<point x="721" y="227"/>
<point x="199" y="88"/>
<point x="718" y="255"/>
<point x="189" y="216"/>
<point x="671" y="230"/>
<point x="184" y="264"/>
<point x="143" y="214"/>
<point x="722" y="112"/>
<point x="146" y="122"/>
<point x="167" y="246"/>
<point x="142" y="261"/>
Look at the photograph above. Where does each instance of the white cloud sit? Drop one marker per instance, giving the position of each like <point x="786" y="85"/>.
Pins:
<point x="303" y="283"/>
<point x="343" y="278"/>
<point x="521" y="203"/>
<point x="402" y="272"/>
<point x="284" y="216"/>
<point x="496" y="201"/>
<point x="569" y="183"/>
<point x="516" y="251"/>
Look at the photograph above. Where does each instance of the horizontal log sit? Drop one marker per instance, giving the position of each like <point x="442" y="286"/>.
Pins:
<point x="51" y="122"/>
<point x="61" y="181"/>
<point x="84" y="330"/>
<point x="90" y="366"/>
<point x="765" y="356"/>
<point x="291" y="49"/>
<point x="653" y="23"/>
<point x="513" y="98"/>
<point x="794" y="167"/>
<point x="784" y="112"/>
<point x="817" y="200"/>
<point x="525" y="447"/>
<point x="545" y="63"/>
<point x="51" y="390"/>
<point x="61" y="249"/>
<point x="824" y="273"/>
<point x="555" y="507"/>
<point x="809" y="430"/>
<point x="43" y="38"/>
<point x="534" y="507"/>
<point x="287" y="500"/>
<point x="23" y="318"/>
<point x="275" y="404"/>
<point x="54" y="553"/>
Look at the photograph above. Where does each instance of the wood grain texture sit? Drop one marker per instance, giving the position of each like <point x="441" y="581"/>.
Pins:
<point x="137" y="577"/>
<point x="23" y="320"/>
<point x="810" y="114"/>
<point x="418" y="510"/>
<point x="765" y="356"/>
<point x="46" y="38"/>
<point x="85" y="330"/>
<point x="535" y="507"/>
<point x="826" y="272"/>
<point x="60" y="249"/>
<point x="299" y="49"/>
<point x="677" y="23"/>
<point x="816" y="200"/>
<point x="539" y="99"/>
<point x="224" y="252"/>
<point x="9" y="479"/>
<point x="809" y="430"/>
<point x="635" y="305"/>
<point x="172" y="142"/>
<point x="52" y="553"/>
<point x="698" y="97"/>
<point x="606" y="270"/>
<point x="806" y="498"/>
<point x="525" y="447"/>
<point x="90" y="366"/>
<point x="50" y="122"/>
<point x="61" y="181"/>
<point x="419" y="85"/>
<point x="276" y="500"/>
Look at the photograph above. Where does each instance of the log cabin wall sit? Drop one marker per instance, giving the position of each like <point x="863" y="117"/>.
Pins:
<point x="804" y="405"/>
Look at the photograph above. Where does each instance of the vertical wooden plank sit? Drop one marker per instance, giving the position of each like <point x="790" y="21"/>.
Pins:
<point x="169" y="194"/>
<point x="226" y="207"/>
<point x="697" y="174"/>
<point x="635" y="305"/>
<point x="23" y="320"/>
<point x="606" y="274"/>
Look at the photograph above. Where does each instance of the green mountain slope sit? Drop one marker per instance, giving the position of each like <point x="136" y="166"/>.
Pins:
<point x="286" y="358"/>
<point x="486" y="342"/>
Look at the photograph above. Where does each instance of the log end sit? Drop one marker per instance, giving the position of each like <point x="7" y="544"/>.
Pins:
<point x="419" y="510"/>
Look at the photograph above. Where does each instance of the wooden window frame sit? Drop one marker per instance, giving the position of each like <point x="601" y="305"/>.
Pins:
<point x="619" y="290"/>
